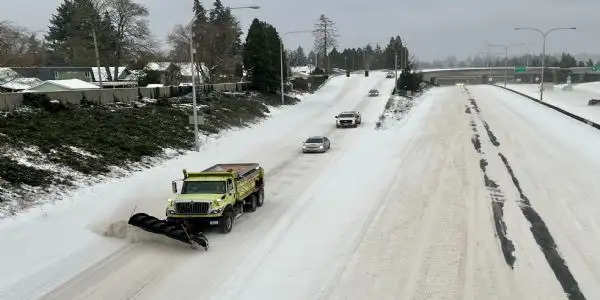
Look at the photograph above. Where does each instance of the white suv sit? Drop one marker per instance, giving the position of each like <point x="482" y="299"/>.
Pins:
<point x="348" y="119"/>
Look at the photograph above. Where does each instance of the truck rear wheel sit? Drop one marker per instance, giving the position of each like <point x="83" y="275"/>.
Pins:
<point x="253" y="203"/>
<point x="226" y="222"/>
<point x="261" y="198"/>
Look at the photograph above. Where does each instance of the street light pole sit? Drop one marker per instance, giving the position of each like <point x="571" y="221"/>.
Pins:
<point x="281" y="60"/>
<point x="192" y="68"/>
<point x="544" y="36"/>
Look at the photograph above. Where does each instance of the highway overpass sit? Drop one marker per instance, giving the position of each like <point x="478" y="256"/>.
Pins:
<point x="497" y="74"/>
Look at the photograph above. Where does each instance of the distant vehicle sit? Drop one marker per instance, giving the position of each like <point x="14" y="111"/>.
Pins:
<point x="318" y="144"/>
<point x="348" y="119"/>
<point x="390" y="75"/>
<point x="594" y="102"/>
<point x="373" y="93"/>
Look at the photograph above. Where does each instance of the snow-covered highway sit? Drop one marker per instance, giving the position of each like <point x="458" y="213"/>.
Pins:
<point x="431" y="207"/>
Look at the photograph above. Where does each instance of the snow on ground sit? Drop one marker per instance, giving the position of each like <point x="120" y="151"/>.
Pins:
<point x="557" y="164"/>
<point x="574" y="101"/>
<point x="395" y="213"/>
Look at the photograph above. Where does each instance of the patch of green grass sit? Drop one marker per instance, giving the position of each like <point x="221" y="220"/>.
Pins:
<point x="15" y="173"/>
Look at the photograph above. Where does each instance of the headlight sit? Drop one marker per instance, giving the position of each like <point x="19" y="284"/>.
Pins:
<point x="321" y="147"/>
<point x="216" y="211"/>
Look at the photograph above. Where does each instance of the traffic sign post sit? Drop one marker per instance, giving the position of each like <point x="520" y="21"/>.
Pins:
<point x="520" y="69"/>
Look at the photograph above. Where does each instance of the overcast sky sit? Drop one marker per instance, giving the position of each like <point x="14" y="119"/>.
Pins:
<point x="432" y="28"/>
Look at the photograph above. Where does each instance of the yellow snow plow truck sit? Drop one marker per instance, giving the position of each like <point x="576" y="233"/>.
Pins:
<point x="215" y="196"/>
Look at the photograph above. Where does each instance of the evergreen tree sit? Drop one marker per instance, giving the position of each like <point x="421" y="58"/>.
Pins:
<point x="567" y="61"/>
<point x="70" y="33"/>
<point x="262" y="56"/>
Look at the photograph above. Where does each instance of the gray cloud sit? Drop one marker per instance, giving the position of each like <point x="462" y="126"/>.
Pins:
<point x="432" y="28"/>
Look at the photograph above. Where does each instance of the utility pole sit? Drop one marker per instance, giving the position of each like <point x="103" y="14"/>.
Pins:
<point x="544" y="36"/>
<point x="97" y="57"/>
<point x="395" y="72"/>
<point x="194" y="103"/>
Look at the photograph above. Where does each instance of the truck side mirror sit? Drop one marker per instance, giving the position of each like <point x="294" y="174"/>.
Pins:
<point x="174" y="187"/>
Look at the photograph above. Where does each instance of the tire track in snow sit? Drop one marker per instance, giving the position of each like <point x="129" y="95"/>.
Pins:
<point x="538" y="227"/>
<point x="496" y="194"/>
<point x="544" y="239"/>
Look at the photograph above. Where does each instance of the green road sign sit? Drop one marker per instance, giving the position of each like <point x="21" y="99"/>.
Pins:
<point x="520" y="69"/>
<point x="596" y="68"/>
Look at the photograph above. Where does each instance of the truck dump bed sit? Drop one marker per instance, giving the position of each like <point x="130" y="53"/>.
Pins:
<point x="241" y="169"/>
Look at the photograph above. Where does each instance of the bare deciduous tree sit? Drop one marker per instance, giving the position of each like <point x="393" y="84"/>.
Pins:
<point x="19" y="47"/>
<point x="132" y="36"/>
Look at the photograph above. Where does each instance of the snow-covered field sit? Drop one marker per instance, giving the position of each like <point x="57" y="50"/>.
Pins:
<point x="397" y="213"/>
<point x="574" y="101"/>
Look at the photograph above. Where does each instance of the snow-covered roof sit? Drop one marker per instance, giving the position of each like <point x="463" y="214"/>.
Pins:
<point x="104" y="75"/>
<point x="7" y="74"/>
<point x="20" y="84"/>
<point x="65" y="85"/>
<point x="155" y="85"/>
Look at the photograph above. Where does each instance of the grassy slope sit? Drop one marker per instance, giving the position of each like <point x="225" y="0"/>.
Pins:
<point x="89" y="140"/>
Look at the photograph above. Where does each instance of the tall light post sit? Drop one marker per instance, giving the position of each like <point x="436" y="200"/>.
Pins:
<point x="506" y="47"/>
<point x="544" y="36"/>
<point x="281" y="60"/>
<point x="192" y="68"/>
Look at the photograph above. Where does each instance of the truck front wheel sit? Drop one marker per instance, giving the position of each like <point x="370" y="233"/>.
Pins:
<point x="226" y="222"/>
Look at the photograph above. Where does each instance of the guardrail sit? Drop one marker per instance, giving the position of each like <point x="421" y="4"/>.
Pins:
<point x="567" y="113"/>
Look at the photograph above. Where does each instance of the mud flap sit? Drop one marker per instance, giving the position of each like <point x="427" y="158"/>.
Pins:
<point x="171" y="230"/>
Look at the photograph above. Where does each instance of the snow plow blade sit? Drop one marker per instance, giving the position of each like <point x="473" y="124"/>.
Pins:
<point x="171" y="230"/>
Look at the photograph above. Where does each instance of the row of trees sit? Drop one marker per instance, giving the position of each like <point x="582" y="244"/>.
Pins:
<point x="367" y="57"/>
<point x="565" y="60"/>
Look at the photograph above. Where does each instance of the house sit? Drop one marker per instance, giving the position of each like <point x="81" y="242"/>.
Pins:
<point x="62" y="85"/>
<point x="123" y="72"/>
<point x="56" y="73"/>
<point x="186" y="70"/>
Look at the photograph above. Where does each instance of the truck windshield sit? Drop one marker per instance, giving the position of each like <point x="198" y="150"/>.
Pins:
<point x="346" y="116"/>
<point x="203" y="187"/>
